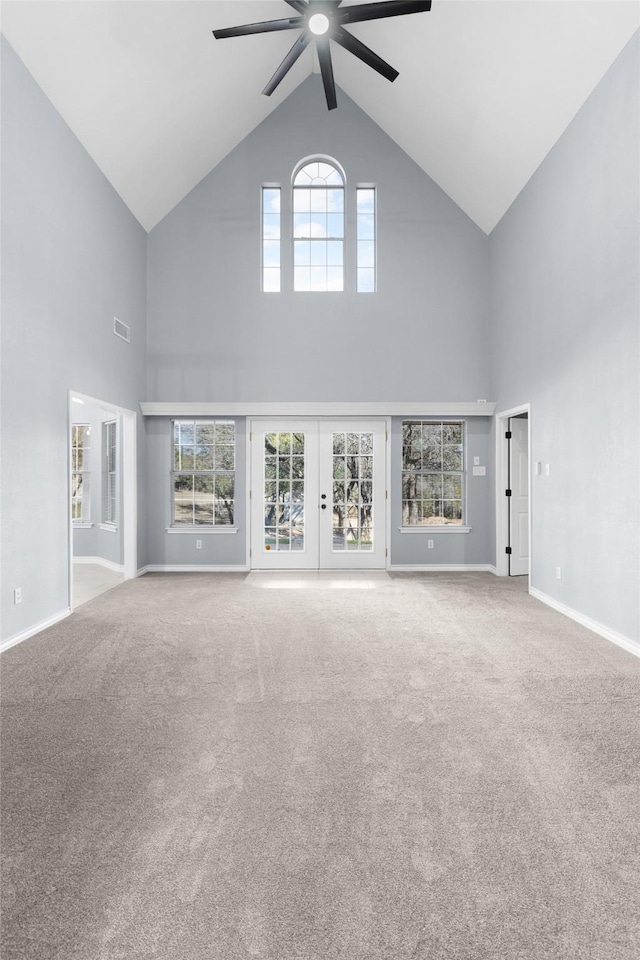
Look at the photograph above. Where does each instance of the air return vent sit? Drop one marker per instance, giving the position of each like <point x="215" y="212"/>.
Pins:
<point x="121" y="330"/>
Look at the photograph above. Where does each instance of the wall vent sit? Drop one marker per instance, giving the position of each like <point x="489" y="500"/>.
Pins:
<point x="121" y="330"/>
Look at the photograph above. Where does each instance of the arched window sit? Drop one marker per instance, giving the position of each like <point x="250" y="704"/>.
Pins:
<point x="318" y="227"/>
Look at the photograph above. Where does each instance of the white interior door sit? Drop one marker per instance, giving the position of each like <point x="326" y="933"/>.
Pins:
<point x="519" y="499"/>
<point x="317" y="494"/>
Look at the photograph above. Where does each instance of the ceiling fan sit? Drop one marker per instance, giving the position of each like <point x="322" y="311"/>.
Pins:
<point x="325" y="20"/>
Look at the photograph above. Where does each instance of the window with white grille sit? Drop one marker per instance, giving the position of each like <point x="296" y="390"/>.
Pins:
<point x="432" y="472"/>
<point x="110" y="472"/>
<point x="80" y="473"/>
<point x="203" y="474"/>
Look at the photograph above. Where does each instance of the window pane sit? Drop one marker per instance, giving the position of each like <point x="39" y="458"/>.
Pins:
<point x="271" y="226"/>
<point x="271" y="200"/>
<point x="271" y="280"/>
<point x="365" y="200"/>
<point x="335" y="201"/>
<point x="318" y="278"/>
<point x="366" y="281"/>
<point x="334" y="253"/>
<point x="335" y="225"/>
<point x="335" y="279"/>
<point x="301" y="278"/>
<point x="301" y="200"/>
<point x="302" y="225"/>
<point x="366" y="253"/>
<point x="318" y="227"/>
<point x="271" y="253"/>
<point x="366" y="229"/>
<point x="204" y="458"/>
<point x="318" y="201"/>
<point x="302" y="253"/>
<point x="318" y="254"/>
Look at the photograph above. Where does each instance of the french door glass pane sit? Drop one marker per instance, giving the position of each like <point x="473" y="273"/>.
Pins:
<point x="283" y="491"/>
<point x="352" y="506"/>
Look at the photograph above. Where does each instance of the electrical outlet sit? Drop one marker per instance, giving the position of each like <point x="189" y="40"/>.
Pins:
<point x="17" y="595"/>
<point x="198" y="544"/>
<point x="429" y="544"/>
<point x="547" y="469"/>
<point x="558" y="573"/>
<point x="476" y="461"/>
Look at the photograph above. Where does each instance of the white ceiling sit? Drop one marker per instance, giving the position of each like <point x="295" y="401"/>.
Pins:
<point x="486" y="87"/>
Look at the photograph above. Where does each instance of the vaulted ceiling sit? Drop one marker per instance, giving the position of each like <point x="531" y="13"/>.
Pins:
<point x="486" y="87"/>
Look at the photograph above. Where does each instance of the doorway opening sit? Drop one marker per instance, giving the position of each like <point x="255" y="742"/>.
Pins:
<point x="318" y="494"/>
<point x="513" y="492"/>
<point x="102" y="499"/>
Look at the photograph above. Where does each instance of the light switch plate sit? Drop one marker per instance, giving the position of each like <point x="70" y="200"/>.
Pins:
<point x="479" y="471"/>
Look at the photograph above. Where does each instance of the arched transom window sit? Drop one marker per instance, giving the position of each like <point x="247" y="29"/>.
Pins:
<point x="318" y="227"/>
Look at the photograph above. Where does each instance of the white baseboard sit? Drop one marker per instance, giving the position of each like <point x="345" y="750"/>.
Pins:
<point x="619" y="639"/>
<point x="49" y="622"/>
<point x="109" y="564"/>
<point x="441" y="568"/>
<point x="194" y="568"/>
<point x="141" y="571"/>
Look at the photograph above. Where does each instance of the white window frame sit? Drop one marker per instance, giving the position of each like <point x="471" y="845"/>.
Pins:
<point x="360" y="240"/>
<point x="213" y="474"/>
<point x="110" y="474"/>
<point x="330" y="161"/>
<point x="264" y="239"/>
<point x="84" y="499"/>
<point x="446" y="526"/>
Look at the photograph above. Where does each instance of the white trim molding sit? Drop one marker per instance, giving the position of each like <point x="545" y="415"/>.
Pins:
<point x="109" y="564"/>
<point x="194" y="568"/>
<point x="43" y="625"/>
<point x="429" y="530"/>
<point x="606" y="632"/>
<point x="478" y="408"/>
<point x="441" y="568"/>
<point x="109" y="527"/>
<point x="82" y="524"/>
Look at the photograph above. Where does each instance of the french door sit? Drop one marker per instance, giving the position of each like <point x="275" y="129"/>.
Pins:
<point x="317" y="494"/>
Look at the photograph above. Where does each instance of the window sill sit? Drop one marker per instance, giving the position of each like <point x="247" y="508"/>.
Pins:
<point x="109" y="527"/>
<point x="196" y="530"/>
<point x="445" y="528"/>
<point x="82" y="524"/>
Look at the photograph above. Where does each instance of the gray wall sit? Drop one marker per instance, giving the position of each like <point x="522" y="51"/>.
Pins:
<point x="214" y="336"/>
<point x="565" y="326"/>
<point x="73" y="257"/>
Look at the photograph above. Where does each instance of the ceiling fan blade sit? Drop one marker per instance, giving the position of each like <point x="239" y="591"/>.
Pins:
<point x="364" y="53"/>
<point x="267" y="26"/>
<point x="326" y="69"/>
<point x="387" y="8"/>
<point x="287" y="63"/>
<point x="299" y="5"/>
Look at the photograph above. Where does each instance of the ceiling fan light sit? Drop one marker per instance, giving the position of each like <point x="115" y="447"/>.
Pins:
<point x="318" y="24"/>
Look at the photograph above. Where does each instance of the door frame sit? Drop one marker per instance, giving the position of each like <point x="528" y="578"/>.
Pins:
<point x="256" y="420"/>
<point x="502" y="478"/>
<point x="128" y="489"/>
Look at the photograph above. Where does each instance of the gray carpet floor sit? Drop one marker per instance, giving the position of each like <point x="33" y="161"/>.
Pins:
<point x="437" y="768"/>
